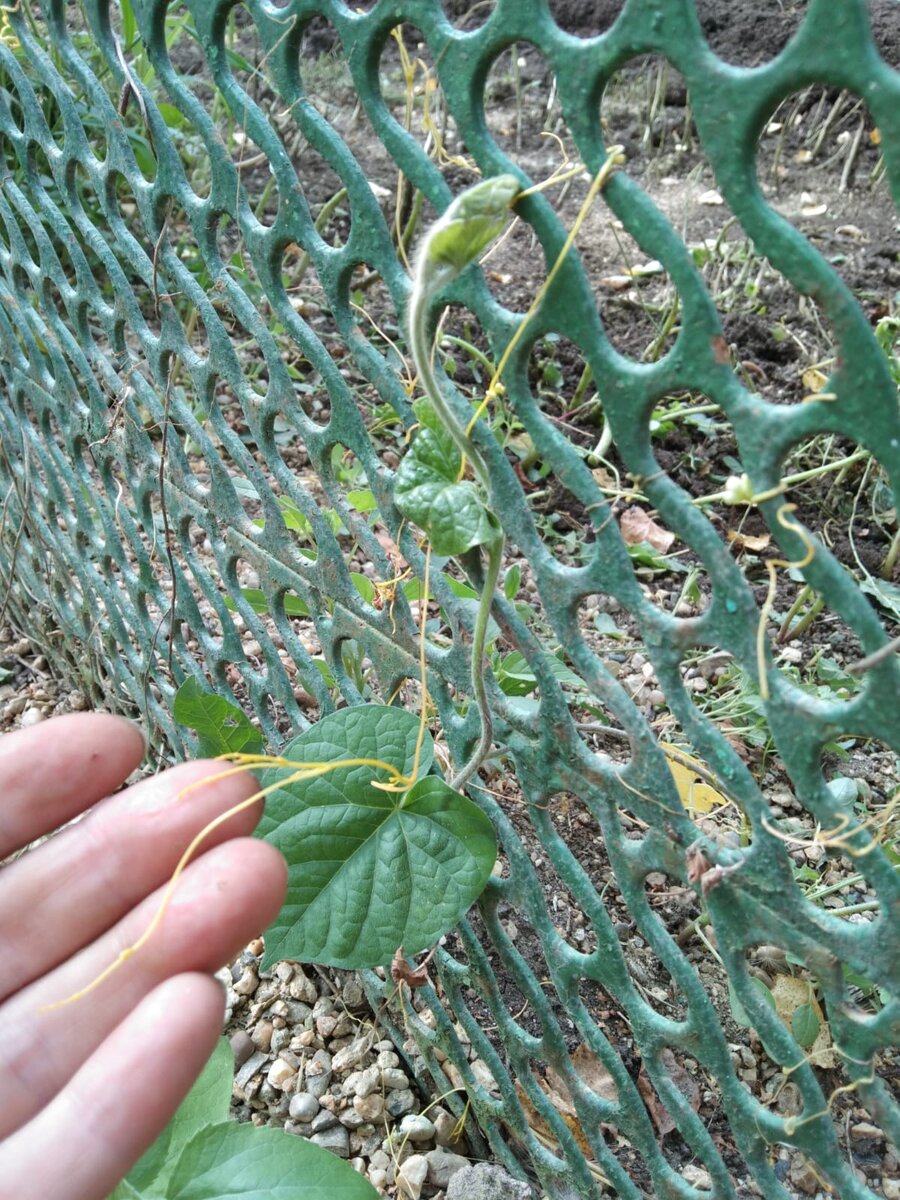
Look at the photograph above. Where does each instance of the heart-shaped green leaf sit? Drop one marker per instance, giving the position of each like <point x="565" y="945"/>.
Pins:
<point x="202" y="1156"/>
<point x="429" y="493"/>
<point x="206" y="1104"/>
<point x="222" y="727"/>
<point x="369" y="870"/>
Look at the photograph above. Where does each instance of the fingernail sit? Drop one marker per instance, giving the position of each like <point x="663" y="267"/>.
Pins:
<point x="141" y="731"/>
<point x="145" y="737"/>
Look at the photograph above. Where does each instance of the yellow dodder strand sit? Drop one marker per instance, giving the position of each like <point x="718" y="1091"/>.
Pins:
<point x="772" y="566"/>
<point x="614" y="159"/>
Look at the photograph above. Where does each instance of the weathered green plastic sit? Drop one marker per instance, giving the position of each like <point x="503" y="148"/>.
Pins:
<point x="119" y="318"/>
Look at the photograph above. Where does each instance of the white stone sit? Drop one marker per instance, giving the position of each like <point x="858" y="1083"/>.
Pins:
<point x="411" y="1177"/>
<point x="443" y="1165"/>
<point x="281" y="1075"/>
<point x="416" y="1127"/>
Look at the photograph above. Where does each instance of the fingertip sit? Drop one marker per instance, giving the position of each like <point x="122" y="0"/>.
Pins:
<point x="192" y="993"/>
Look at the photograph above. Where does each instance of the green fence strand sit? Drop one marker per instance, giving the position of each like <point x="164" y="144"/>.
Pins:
<point x="189" y="375"/>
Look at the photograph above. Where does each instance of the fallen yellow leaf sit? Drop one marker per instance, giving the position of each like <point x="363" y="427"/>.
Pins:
<point x="748" y="541"/>
<point x="791" y="993"/>
<point x="814" y="379"/>
<point x="697" y="796"/>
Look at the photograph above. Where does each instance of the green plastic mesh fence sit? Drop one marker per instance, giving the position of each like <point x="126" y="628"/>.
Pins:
<point x="207" y="211"/>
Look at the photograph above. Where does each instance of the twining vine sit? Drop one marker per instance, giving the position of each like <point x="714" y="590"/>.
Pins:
<point x="382" y="854"/>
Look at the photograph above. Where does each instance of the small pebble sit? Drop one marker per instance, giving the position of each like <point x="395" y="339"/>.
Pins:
<point x="416" y="1127"/>
<point x="443" y="1165"/>
<point x="248" y="982"/>
<point x="368" y="1081"/>
<point x="323" y="1120"/>
<point x="242" y="1047"/>
<point x="262" y="1036"/>
<point x="281" y="1075"/>
<point x="337" y="1140"/>
<point x="318" y="1073"/>
<point x="400" y="1102"/>
<point x="304" y="1107"/>
<point x="370" y="1107"/>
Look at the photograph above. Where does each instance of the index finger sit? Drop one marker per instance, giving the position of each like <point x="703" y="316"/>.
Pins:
<point x="53" y="771"/>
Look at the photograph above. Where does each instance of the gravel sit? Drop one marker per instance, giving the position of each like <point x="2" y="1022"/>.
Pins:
<point x="310" y="1058"/>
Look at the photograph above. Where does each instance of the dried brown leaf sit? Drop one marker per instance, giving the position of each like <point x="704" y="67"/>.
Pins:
<point x="748" y="541"/>
<point x="682" y="1079"/>
<point x="637" y="526"/>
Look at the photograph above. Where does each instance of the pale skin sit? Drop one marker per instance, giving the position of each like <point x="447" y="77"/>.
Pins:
<point x="85" y="1088"/>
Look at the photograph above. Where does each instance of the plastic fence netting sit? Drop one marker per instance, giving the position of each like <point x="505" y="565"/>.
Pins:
<point x="203" y="275"/>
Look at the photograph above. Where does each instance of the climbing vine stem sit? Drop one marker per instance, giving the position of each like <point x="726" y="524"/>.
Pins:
<point x="432" y="488"/>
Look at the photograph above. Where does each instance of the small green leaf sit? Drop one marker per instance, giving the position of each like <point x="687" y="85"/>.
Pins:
<point x="172" y="116"/>
<point x="364" y="586"/>
<point x="516" y="678"/>
<point x="605" y="624"/>
<point x="362" y="501"/>
<point x="370" y="870"/>
<point x="242" y="1162"/>
<point x="222" y="727"/>
<point x="512" y="582"/>
<point x="256" y="598"/>
<point x="471" y="222"/>
<point x="805" y="1025"/>
<point x="428" y="492"/>
<point x="294" y="518"/>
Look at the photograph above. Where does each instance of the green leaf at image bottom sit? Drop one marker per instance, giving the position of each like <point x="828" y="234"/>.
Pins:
<point x="369" y="870"/>
<point x="240" y="1162"/>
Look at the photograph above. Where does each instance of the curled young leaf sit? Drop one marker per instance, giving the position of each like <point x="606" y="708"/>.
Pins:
<point x="469" y="225"/>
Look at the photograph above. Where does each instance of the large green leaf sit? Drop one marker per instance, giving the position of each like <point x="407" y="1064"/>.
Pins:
<point x="124" y="1191"/>
<point x="202" y="1156"/>
<point x="368" y="870"/>
<point x="429" y="493"/>
<point x="241" y="1162"/>
<point x="222" y="727"/>
<point x="206" y="1103"/>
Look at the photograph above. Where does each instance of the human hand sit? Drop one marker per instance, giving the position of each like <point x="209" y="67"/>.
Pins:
<point x="88" y="1086"/>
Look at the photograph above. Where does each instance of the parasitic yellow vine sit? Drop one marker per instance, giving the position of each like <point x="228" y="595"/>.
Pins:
<point x="772" y="565"/>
